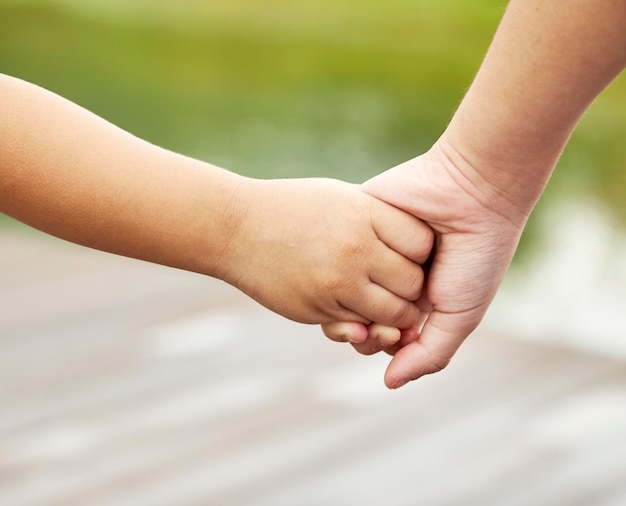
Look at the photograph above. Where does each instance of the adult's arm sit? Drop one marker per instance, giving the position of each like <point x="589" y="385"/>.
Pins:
<point x="478" y="184"/>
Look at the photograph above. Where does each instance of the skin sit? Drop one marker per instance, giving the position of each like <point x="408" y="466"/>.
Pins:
<point x="314" y="250"/>
<point x="478" y="184"/>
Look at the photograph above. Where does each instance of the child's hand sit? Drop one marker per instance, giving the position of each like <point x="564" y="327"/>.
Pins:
<point x="321" y="251"/>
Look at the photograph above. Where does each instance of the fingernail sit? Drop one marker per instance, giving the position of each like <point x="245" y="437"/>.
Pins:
<point x="399" y="383"/>
<point x="382" y="341"/>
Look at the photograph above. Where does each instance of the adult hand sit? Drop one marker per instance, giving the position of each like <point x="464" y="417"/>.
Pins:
<point x="477" y="185"/>
<point x="477" y="229"/>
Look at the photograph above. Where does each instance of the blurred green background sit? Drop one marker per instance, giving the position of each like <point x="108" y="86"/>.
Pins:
<point x="277" y="88"/>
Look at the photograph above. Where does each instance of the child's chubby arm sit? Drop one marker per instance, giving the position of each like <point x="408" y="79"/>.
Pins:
<point x="314" y="250"/>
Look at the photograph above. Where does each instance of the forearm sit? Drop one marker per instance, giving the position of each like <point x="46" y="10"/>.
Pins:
<point x="72" y="174"/>
<point x="476" y="187"/>
<point x="314" y="251"/>
<point x="547" y="63"/>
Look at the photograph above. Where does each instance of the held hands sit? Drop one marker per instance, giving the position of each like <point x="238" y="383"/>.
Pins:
<point x="477" y="231"/>
<point x="320" y="250"/>
<point x="345" y="258"/>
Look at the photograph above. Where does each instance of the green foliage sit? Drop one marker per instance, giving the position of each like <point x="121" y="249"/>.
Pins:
<point x="285" y="89"/>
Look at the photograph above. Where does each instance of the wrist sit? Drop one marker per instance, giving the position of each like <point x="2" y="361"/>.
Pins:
<point x="502" y="179"/>
<point x="193" y="213"/>
<point x="221" y="213"/>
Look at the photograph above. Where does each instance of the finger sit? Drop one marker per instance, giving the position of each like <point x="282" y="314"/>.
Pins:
<point x="403" y="233"/>
<point x="441" y="337"/>
<point x="387" y="336"/>
<point x="343" y="332"/>
<point x="382" y="306"/>
<point x="379" y="337"/>
<point x="406" y="336"/>
<point x="396" y="273"/>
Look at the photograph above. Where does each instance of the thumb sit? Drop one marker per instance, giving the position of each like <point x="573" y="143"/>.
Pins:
<point x="440" y="338"/>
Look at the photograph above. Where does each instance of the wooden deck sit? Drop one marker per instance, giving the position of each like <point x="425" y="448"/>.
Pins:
<point x="124" y="383"/>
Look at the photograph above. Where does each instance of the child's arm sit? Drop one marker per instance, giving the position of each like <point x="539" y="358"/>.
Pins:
<point x="312" y="250"/>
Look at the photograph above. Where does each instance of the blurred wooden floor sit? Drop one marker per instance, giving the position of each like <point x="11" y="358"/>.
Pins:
<point x="124" y="383"/>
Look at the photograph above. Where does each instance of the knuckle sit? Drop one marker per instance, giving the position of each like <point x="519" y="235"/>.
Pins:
<point x="438" y="363"/>
<point x="331" y="282"/>
<point x="404" y="315"/>
<point x="331" y="285"/>
<point x="415" y="283"/>
<point x="351" y="249"/>
<point x="423" y="244"/>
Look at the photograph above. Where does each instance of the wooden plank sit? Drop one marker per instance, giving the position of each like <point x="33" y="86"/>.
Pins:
<point x="177" y="389"/>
